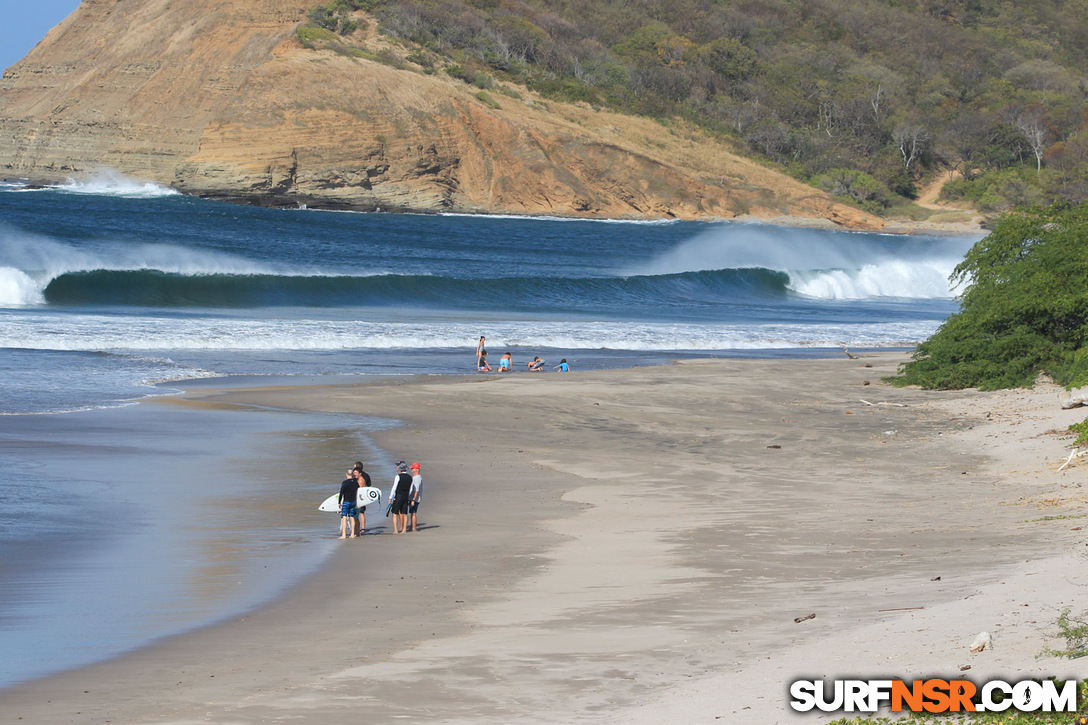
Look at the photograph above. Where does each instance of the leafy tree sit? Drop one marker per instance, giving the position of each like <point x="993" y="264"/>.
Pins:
<point x="730" y="58"/>
<point x="856" y="185"/>
<point x="1024" y="309"/>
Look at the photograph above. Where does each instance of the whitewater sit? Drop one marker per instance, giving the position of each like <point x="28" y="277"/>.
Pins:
<point x="133" y="284"/>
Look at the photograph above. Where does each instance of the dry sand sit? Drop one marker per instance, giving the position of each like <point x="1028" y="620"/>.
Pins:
<point x="635" y="545"/>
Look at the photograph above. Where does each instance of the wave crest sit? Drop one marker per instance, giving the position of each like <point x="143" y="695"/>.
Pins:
<point x="824" y="265"/>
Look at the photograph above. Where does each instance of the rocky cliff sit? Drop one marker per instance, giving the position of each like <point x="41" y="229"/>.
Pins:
<point x="221" y="99"/>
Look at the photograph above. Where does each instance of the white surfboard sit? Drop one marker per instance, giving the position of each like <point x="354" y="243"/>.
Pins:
<point x="367" y="495"/>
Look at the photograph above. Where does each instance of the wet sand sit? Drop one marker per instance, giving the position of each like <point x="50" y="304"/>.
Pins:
<point x="635" y="545"/>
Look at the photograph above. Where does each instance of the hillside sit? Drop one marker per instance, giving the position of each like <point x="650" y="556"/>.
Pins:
<point x="866" y="99"/>
<point x="223" y="100"/>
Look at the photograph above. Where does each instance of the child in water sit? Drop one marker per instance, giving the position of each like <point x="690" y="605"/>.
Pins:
<point x="482" y="366"/>
<point x="562" y="366"/>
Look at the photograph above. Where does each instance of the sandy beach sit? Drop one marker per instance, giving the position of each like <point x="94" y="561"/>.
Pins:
<point x="635" y="546"/>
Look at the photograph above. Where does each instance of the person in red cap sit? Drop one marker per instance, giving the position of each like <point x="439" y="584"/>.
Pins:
<point x="415" y="493"/>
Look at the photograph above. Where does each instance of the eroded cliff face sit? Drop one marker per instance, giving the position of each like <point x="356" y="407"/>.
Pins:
<point x="219" y="99"/>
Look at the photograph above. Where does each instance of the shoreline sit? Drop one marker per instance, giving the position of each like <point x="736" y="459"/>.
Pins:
<point x="594" y="541"/>
<point x="900" y="227"/>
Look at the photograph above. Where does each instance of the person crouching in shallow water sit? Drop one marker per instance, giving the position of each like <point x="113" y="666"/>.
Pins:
<point x="399" y="496"/>
<point x="416" y="492"/>
<point x="482" y="365"/>
<point x="506" y="363"/>
<point x="536" y="366"/>
<point x="349" y="490"/>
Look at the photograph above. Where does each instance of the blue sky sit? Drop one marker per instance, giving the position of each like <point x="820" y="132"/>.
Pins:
<point x="24" y="22"/>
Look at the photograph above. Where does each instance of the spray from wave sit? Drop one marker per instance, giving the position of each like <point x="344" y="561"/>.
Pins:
<point x="29" y="262"/>
<point x="825" y="265"/>
<point x="110" y="183"/>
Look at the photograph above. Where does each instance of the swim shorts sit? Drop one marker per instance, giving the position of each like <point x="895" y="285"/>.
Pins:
<point x="413" y="507"/>
<point x="347" y="509"/>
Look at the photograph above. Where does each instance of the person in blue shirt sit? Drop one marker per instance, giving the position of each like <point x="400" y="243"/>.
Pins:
<point x="562" y="366"/>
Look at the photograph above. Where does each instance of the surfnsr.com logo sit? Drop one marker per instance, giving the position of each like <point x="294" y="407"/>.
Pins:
<point x="933" y="695"/>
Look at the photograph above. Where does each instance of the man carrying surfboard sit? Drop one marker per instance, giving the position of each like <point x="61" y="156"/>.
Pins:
<point x="349" y="490"/>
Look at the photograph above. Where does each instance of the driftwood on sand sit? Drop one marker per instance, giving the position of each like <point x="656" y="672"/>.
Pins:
<point x="1073" y="455"/>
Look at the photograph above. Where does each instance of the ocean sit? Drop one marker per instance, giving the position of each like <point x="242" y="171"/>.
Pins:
<point x="113" y="291"/>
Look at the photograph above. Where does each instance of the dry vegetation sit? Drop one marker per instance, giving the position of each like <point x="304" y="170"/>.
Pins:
<point x="864" y="100"/>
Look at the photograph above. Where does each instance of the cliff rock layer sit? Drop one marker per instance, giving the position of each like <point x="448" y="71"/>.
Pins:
<point x="220" y="99"/>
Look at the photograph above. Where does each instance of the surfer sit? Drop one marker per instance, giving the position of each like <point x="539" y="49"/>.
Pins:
<point x="415" y="493"/>
<point x="506" y="363"/>
<point x="536" y="366"/>
<point x="398" y="497"/>
<point x="363" y="479"/>
<point x="562" y="367"/>
<point x="349" y="490"/>
<point x="480" y="349"/>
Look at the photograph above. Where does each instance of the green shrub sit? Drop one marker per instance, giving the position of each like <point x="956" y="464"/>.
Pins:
<point x="310" y="35"/>
<point x="1075" y="633"/>
<point x="1081" y="431"/>
<point x="855" y="186"/>
<point x="485" y="97"/>
<point x="461" y="73"/>
<point x="564" y="89"/>
<point x="335" y="16"/>
<point x="420" y="58"/>
<point x="1024" y="309"/>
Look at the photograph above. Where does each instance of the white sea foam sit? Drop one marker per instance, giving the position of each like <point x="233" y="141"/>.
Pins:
<point x="895" y="278"/>
<point x="823" y="264"/>
<point x="18" y="289"/>
<point x="150" y="334"/>
<point x="110" y="183"/>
